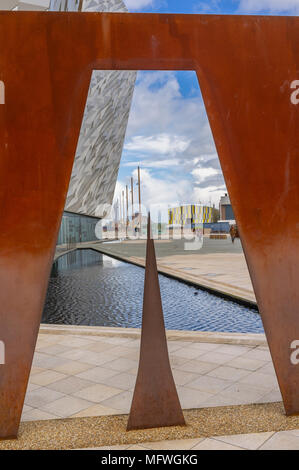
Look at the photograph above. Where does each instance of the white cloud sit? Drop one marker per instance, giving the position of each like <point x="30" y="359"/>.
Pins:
<point x="212" y="6"/>
<point x="159" y="109"/>
<point x="137" y="4"/>
<point x="209" y="197"/>
<point x="168" y="191"/>
<point x="161" y="143"/>
<point x="169" y="135"/>
<point x="202" y="173"/>
<point x="273" y="6"/>
<point x="162" y="191"/>
<point x="156" y="164"/>
<point x="157" y="193"/>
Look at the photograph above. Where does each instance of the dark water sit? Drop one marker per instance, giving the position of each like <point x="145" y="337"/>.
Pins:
<point x="87" y="288"/>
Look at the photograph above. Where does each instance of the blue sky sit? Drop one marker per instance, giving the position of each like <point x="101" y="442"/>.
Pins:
<point x="265" y="7"/>
<point x="181" y="6"/>
<point x="168" y="132"/>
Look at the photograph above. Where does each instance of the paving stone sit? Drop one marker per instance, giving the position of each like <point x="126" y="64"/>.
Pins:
<point x="36" y="370"/>
<point x="244" y="363"/>
<point x="70" y="385"/>
<point x="73" y="342"/>
<point x="182" y="378"/>
<point x="97" y="346"/>
<point x="38" y="415"/>
<point x="133" y="355"/>
<point x="88" y="357"/>
<point x="174" y="346"/>
<point x="266" y="381"/>
<point x="95" y="410"/>
<point x="268" y="368"/>
<point x="271" y="397"/>
<point x="216" y="358"/>
<point x="120" y="351"/>
<point x="191" y="398"/>
<point x="281" y="441"/>
<point x="197" y="367"/>
<point x="186" y="353"/>
<point x="232" y="350"/>
<point x="97" y="374"/>
<point x="243" y="394"/>
<point x="260" y="354"/>
<point x="32" y="387"/>
<point x="213" y="444"/>
<point x="46" y="361"/>
<point x="42" y="396"/>
<point x="246" y="441"/>
<point x="179" y="444"/>
<point x="27" y="408"/>
<point x="204" y="347"/>
<point x="176" y="361"/>
<point x="228" y="373"/>
<point x="72" y="367"/>
<point x="209" y="384"/>
<point x="66" y="406"/>
<point x="123" y="381"/>
<point x="53" y="349"/>
<point x="97" y="393"/>
<point x="47" y="377"/>
<point x="121" y="364"/>
<point x="121" y="402"/>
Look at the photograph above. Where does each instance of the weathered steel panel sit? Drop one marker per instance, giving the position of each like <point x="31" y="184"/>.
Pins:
<point x="155" y="401"/>
<point x="246" y="66"/>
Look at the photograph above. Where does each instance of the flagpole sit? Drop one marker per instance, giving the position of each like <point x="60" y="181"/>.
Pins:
<point x="139" y="197"/>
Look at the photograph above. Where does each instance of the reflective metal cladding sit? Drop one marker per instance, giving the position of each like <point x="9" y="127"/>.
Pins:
<point x="103" y="127"/>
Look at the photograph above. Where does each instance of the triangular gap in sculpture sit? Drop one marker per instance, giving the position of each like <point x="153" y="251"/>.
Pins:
<point x="155" y="401"/>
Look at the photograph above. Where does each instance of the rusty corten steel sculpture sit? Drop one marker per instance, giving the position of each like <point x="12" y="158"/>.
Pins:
<point x="155" y="400"/>
<point x="247" y="69"/>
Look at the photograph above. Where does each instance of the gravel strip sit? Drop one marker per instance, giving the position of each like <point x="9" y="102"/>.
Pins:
<point x="75" y="433"/>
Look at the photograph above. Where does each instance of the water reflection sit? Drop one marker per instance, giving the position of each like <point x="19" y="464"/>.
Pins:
<point x="76" y="259"/>
<point x="88" y="288"/>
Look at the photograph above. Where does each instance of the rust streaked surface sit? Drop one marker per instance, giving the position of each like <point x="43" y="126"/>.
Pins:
<point x="155" y="401"/>
<point x="245" y="67"/>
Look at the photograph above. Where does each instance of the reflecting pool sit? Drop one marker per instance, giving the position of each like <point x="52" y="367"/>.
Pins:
<point x="88" y="288"/>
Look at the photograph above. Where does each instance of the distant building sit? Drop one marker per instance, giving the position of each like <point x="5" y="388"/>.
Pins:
<point x="226" y="210"/>
<point x="191" y="215"/>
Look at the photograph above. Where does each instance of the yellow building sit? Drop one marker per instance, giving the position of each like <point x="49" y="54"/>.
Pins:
<point x="190" y="215"/>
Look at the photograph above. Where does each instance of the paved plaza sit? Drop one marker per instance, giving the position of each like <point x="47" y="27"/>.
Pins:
<point x="88" y="371"/>
<point x="81" y="375"/>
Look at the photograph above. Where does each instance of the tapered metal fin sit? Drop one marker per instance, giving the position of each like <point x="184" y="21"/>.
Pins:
<point x="155" y="401"/>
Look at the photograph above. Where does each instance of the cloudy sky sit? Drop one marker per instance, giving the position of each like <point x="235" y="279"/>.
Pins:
<point x="168" y="132"/>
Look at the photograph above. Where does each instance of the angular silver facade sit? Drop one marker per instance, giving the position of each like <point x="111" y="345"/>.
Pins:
<point x="103" y="128"/>
<point x="104" y="123"/>
<point x="101" y="141"/>
<point x="88" y="5"/>
<point x="24" y="4"/>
